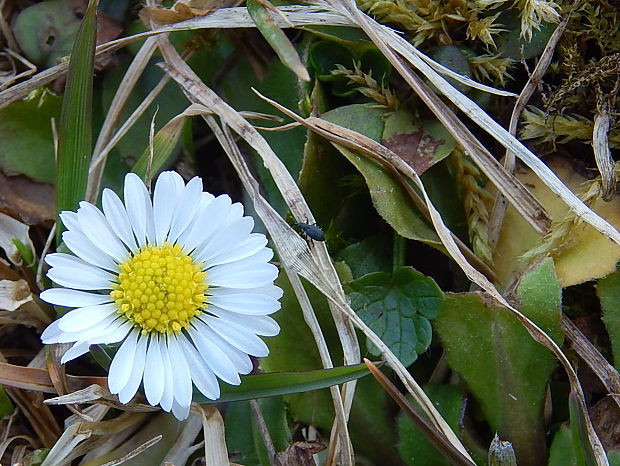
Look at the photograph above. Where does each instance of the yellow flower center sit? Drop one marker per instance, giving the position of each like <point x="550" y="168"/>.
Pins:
<point x="160" y="289"/>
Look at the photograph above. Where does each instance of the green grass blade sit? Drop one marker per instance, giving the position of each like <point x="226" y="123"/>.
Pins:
<point x="260" y="13"/>
<point x="165" y="142"/>
<point x="284" y="383"/>
<point x="75" y="132"/>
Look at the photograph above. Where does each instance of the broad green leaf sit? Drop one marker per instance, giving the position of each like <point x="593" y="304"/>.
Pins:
<point x="505" y="369"/>
<point x="511" y="44"/>
<point x="6" y="407"/>
<point x="373" y="254"/>
<point x="397" y="308"/>
<point x="75" y="132"/>
<point x="419" y="143"/>
<point x="46" y="31"/>
<point x="27" y="139"/>
<point x="284" y="383"/>
<point x="240" y="434"/>
<point x="243" y="437"/>
<point x="452" y="57"/>
<point x="608" y="291"/>
<point x="265" y="23"/>
<point x="413" y="447"/>
<point x="389" y="197"/>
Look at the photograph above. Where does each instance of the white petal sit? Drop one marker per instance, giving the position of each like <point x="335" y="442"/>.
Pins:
<point x="73" y="272"/>
<point x="208" y="223"/>
<point x="113" y="334"/>
<point x="270" y="290"/>
<point x="184" y="213"/>
<point x="244" y="303"/>
<point x="96" y="227"/>
<point x="203" y="377"/>
<point x="122" y="364"/>
<point x="85" y="249"/>
<point x="70" y="220"/>
<point x="77" y="350"/>
<point x="181" y="374"/>
<point x="118" y="219"/>
<point x="188" y="239"/>
<point x="139" y="209"/>
<point x="51" y="333"/>
<point x="239" y="337"/>
<point x="96" y="333"/>
<point x="226" y="240"/>
<point x="213" y="355"/>
<point x="241" y="360"/>
<point x="260" y="325"/>
<point x="253" y="244"/>
<point x="85" y="317"/>
<point x="127" y="392"/>
<point x="154" y="372"/>
<point x="180" y="411"/>
<point x="73" y="298"/>
<point x="167" y="189"/>
<point x="242" y="274"/>
<point x="169" y="383"/>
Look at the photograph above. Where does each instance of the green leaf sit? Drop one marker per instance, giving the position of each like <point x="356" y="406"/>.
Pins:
<point x="452" y="57"/>
<point x="27" y="139"/>
<point x="579" y="433"/>
<point x="239" y="431"/>
<point x="6" y="406"/>
<point x="389" y="196"/>
<point x="397" y="308"/>
<point x="413" y="447"/>
<point x="505" y="369"/>
<point x="283" y="383"/>
<point x="373" y="254"/>
<point x="75" y="132"/>
<point x="265" y="23"/>
<point x="608" y="291"/>
<point x="46" y="31"/>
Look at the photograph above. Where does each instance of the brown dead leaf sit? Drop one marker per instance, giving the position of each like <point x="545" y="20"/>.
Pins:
<point x="417" y="149"/>
<point x="299" y="454"/>
<point x="605" y="415"/>
<point x="26" y="200"/>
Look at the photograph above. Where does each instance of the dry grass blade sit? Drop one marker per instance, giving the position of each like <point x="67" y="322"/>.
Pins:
<point x="606" y="373"/>
<point x="600" y="144"/>
<point x="135" y="452"/>
<point x="432" y="434"/>
<point x="216" y="453"/>
<point x="103" y="146"/>
<point x="499" y="207"/>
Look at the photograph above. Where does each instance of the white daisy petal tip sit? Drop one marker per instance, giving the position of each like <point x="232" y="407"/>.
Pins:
<point x="161" y="290"/>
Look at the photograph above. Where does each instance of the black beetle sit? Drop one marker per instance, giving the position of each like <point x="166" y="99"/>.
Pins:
<point x="310" y="231"/>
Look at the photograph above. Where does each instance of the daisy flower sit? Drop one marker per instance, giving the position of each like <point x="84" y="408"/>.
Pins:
<point x="180" y="282"/>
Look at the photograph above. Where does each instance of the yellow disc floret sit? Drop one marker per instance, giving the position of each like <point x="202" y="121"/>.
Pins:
<point x="160" y="289"/>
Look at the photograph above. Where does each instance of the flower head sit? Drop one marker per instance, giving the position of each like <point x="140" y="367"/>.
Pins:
<point x="180" y="282"/>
